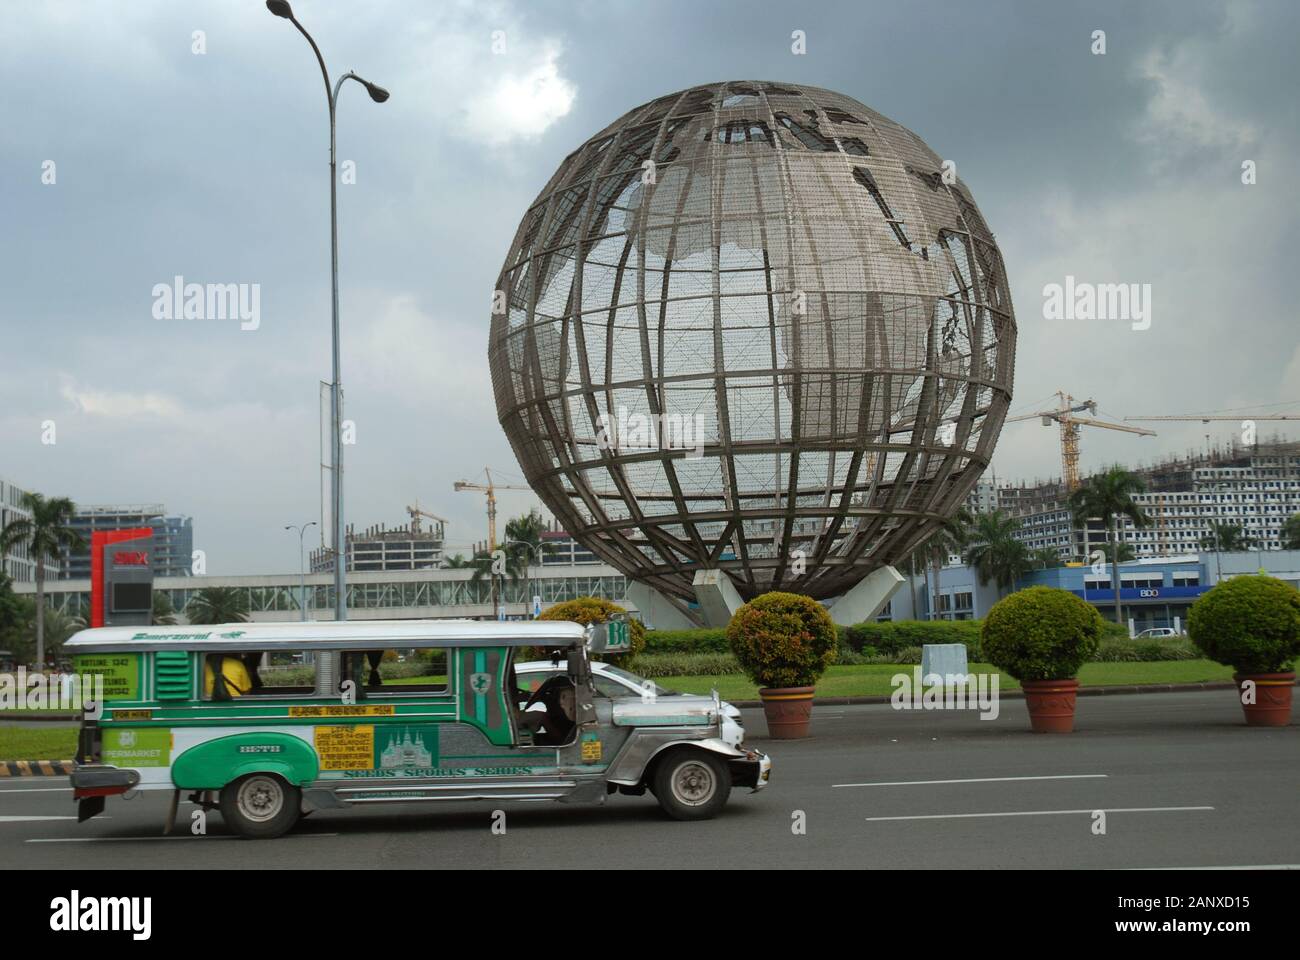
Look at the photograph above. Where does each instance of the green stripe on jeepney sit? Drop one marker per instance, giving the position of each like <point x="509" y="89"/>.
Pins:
<point x="259" y="710"/>
<point x="480" y="698"/>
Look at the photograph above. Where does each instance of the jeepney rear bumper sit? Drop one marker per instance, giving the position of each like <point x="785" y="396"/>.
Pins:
<point x="753" y="770"/>
<point x="91" y="784"/>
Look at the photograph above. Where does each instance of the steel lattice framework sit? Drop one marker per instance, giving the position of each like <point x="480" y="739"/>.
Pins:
<point x="794" y="273"/>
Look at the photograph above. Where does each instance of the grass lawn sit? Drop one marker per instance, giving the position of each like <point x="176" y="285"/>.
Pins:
<point x="26" y="710"/>
<point x="873" y="679"/>
<point x="60" y="743"/>
<point x="37" y="743"/>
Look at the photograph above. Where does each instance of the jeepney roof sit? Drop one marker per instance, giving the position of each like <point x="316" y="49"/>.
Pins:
<point x="329" y="635"/>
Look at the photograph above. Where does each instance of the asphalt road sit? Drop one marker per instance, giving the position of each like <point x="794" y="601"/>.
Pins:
<point x="1184" y="781"/>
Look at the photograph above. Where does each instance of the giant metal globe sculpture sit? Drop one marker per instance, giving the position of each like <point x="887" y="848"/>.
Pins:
<point x="797" y="276"/>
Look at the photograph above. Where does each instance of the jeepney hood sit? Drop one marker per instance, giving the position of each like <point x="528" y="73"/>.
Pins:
<point x="679" y="710"/>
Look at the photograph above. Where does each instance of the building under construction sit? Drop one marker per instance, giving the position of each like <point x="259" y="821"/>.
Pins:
<point x="1255" y="487"/>
<point x="413" y="546"/>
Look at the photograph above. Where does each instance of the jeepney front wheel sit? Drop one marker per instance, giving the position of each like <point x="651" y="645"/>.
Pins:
<point x="260" y="806"/>
<point x="691" y="784"/>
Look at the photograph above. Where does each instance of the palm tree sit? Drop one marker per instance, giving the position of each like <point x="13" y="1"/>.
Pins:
<point x="948" y="539"/>
<point x="482" y="563"/>
<point x="1044" y="558"/>
<point x="993" y="550"/>
<point x="13" y="616"/>
<point x="218" y="605"/>
<point x="46" y="534"/>
<point x="914" y="559"/>
<point x="1291" y="533"/>
<point x="164" y="614"/>
<point x="1226" y="538"/>
<point x="456" y="562"/>
<point x="59" y="627"/>
<point x="525" y="529"/>
<point x="1108" y="496"/>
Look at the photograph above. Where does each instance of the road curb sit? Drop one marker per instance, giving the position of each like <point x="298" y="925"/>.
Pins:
<point x="36" y="768"/>
<point x="1020" y="694"/>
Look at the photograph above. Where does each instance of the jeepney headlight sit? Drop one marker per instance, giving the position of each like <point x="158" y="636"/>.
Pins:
<point x="731" y="731"/>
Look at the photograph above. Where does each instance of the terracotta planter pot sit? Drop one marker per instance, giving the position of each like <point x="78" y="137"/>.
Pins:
<point x="788" y="710"/>
<point x="1273" y="691"/>
<point x="1051" y="704"/>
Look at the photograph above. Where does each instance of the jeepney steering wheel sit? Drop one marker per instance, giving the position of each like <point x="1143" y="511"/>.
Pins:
<point x="546" y="691"/>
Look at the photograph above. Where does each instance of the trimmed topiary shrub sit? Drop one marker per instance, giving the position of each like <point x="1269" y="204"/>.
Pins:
<point x="1041" y="633"/>
<point x="783" y="639"/>
<point x="1251" y="623"/>
<point x="585" y="610"/>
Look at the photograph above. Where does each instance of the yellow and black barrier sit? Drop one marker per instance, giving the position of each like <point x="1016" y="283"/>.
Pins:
<point x="36" y="768"/>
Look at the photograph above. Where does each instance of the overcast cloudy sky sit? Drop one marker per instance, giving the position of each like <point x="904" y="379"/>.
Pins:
<point x="1117" y="168"/>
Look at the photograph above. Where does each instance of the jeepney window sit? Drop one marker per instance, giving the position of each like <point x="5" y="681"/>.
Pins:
<point x="379" y="673"/>
<point x="250" y="673"/>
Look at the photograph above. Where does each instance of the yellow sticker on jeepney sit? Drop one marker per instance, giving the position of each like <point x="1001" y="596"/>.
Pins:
<point x="591" y="749"/>
<point x="344" y="710"/>
<point x="132" y="714"/>
<point x="345" y="748"/>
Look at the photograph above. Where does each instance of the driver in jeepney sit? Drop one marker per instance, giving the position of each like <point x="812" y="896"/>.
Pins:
<point x="552" y="726"/>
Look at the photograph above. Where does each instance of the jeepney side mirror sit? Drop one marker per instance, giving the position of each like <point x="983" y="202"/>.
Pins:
<point x="583" y="692"/>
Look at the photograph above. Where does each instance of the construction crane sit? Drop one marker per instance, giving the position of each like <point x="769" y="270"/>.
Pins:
<point x="416" y="513"/>
<point x="490" y="489"/>
<point x="1064" y="415"/>
<point x="1206" y="418"/>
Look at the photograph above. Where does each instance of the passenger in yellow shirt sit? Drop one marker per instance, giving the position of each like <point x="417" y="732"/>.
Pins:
<point x="237" y="682"/>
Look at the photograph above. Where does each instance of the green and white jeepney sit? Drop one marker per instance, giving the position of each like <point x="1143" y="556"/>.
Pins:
<point x="333" y="733"/>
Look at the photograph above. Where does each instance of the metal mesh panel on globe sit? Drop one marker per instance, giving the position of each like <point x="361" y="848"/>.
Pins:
<point x="753" y="327"/>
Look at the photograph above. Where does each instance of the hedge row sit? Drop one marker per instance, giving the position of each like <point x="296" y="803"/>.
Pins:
<point x="687" y="641"/>
<point x="685" y="662"/>
<point x="863" y="642"/>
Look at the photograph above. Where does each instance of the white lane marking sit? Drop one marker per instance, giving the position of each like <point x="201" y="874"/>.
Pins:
<point x="208" y="836"/>
<point x="1040" y="813"/>
<point x="913" y="783"/>
<point x="31" y="819"/>
<point x="39" y="790"/>
<point x="1263" y="866"/>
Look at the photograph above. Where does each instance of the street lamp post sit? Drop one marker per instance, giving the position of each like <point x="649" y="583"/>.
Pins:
<point x="302" y="570"/>
<point x="531" y="547"/>
<point x="378" y="94"/>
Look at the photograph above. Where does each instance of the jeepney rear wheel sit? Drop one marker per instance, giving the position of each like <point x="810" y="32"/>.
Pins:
<point x="260" y="806"/>
<point x="691" y="784"/>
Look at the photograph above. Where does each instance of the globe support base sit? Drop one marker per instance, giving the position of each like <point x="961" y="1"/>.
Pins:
<point x="868" y="598"/>
<point x="717" y="596"/>
<point x="659" y="612"/>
